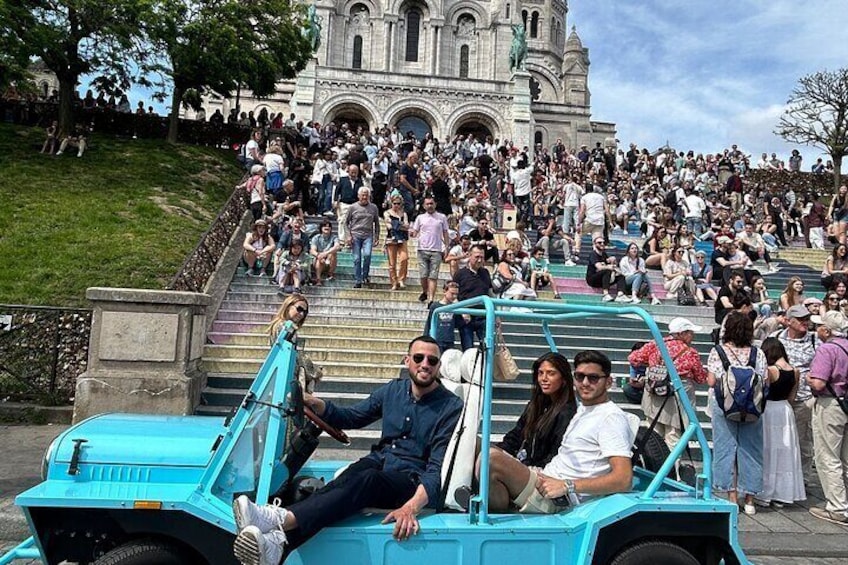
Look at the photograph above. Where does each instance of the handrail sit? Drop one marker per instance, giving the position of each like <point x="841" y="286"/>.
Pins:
<point x="547" y="312"/>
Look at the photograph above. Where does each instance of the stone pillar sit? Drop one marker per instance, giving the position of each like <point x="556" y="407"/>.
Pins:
<point x="303" y="99"/>
<point x="144" y="352"/>
<point x="522" y="117"/>
<point x="387" y="37"/>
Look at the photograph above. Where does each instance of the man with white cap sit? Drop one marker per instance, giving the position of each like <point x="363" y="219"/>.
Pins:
<point x="687" y="361"/>
<point x="801" y="346"/>
<point x="828" y="379"/>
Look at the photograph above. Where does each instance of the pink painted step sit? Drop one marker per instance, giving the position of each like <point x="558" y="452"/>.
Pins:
<point x="579" y="286"/>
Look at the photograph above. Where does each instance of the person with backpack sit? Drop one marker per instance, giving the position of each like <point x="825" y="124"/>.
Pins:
<point x="656" y="403"/>
<point x="828" y="379"/>
<point x="736" y="371"/>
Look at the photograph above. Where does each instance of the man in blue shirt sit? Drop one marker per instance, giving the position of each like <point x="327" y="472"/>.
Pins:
<point x="403" y="470"/>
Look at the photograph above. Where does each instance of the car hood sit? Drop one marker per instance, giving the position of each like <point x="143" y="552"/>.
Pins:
<point x="145" y="440"/>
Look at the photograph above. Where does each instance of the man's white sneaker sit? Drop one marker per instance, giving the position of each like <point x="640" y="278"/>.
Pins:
<point x="266" y="518"/>
<point x="656" y="301"/>
<point x="622" y="298"/>
<point x="252" y="547"/>
<point x="635" y="300"/>
<point x="607" y="298"/>
<point x="570" y="263"/>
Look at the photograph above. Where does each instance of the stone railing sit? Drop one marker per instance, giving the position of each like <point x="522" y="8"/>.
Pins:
<point x="200" y="265"/>
<point x="42" y="352"/>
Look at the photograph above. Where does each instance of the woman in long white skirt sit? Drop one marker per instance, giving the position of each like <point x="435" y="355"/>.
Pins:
<point x="783" y="478"/>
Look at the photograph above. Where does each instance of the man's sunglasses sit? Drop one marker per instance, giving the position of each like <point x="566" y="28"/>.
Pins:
<point x="432" y="360"/>
<point x="593" y="379"/>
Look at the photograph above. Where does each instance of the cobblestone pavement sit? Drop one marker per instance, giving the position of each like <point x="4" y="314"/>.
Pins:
<point x="787" y="536"/>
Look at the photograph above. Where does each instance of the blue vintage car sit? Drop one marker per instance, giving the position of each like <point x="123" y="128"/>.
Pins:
<point x="126" y="489"/>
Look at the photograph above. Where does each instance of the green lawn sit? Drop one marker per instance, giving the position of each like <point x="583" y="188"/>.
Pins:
<point x="126" y="214"/>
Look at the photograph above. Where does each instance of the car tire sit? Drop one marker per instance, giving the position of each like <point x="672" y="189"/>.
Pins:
<point x="654" y="450"/>
<point x="653" y="552"/>
<point x="143" y="552"/>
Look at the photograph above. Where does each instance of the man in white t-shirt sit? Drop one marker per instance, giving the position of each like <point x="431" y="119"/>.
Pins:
<point x="693" y="210"/>
<point x="592" y="217"/>
<point x="593" y="459"/>
<point x="571" y="203"/>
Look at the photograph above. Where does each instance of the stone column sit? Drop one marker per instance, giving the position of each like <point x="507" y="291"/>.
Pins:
<point x="522" y="116"/>
<point x="144" y="352"/>
<point x="303" y="99"/>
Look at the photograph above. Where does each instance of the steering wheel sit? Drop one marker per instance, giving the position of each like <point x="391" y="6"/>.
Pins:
<point x="334" y="433"/>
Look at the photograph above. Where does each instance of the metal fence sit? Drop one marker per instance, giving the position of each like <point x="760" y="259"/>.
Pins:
<point x="42" y="352"/>
<point x="201" y="263"/>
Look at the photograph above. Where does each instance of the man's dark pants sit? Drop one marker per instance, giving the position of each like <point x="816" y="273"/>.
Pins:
<point x="362" y="485"/>
<point x="467" y="331"/>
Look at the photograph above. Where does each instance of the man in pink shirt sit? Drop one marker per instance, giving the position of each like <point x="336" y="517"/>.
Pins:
<point x="431" y="229"/>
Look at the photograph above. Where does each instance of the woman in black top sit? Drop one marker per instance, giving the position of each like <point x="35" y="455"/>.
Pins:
<point x="537" y="435"/>
<point x="783" y="477"/>
<point x="441" y="190"/>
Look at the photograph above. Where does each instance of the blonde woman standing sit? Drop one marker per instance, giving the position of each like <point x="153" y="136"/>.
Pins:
<point x="397" y="235"/>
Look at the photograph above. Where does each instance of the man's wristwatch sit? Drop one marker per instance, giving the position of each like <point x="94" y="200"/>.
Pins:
<point x="569" y="486"/>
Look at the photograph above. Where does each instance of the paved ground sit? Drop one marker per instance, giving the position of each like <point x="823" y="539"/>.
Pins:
<point x="790" y="536"/>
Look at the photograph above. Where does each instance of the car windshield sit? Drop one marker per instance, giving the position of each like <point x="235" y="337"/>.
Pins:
<point x="240" y="474"/>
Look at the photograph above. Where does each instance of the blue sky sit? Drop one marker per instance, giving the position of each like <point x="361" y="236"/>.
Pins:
<point x="704" y="75"/>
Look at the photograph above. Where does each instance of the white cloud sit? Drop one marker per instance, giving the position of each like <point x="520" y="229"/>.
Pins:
<point x="706" y="75"/>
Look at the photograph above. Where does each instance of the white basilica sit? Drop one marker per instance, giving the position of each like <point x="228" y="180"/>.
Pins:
<point x="443" y="66"/>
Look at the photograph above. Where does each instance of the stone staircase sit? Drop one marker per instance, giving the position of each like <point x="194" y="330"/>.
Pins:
<point x="359" y="336"/>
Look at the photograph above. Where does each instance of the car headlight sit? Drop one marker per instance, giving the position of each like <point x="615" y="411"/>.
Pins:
<point x="45" y="462"/>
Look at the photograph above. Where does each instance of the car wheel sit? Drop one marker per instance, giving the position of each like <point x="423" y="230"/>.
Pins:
<point x="654" y="450"/>
<point x="653" y="552"/>
<point x="143" y="552"/>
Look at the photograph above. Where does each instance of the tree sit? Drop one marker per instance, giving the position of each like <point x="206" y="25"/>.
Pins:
<point x="218" y="45"/>
<point x="817" y="114"/>
<point x="75" y="37"/>
<point x="13" y="53"/>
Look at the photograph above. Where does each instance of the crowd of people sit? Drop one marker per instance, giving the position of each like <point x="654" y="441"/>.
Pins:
<point x="451" y="195"/>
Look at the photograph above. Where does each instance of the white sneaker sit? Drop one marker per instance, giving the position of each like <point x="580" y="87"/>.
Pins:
<point x="607" y="298"/>
<point x="570" y="263"/>
<point x="58" y="153"/>
<point x="266" y="518"/>
<point x="622" y="298"/>
<point x="252" y="547"/>
<point x="635" y="300"/>
<point x="656" y="301"/>
<point x="749" y="509"/>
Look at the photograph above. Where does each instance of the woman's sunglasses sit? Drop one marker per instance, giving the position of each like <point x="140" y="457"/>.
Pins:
<point x="432" y="360"/>
<point x="302" y="310"/>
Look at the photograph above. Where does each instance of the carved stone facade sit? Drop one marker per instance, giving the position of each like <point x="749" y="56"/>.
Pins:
<point x="444" y="67"/>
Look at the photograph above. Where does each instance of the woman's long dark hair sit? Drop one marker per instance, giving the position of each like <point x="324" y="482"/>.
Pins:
<point x="542" y="410"/>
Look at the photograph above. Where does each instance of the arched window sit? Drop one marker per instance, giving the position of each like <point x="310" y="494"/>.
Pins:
<point x="357" y="52"/>
<point x="507" y="11"/>
<point x="524" y="18"/>
<point x="534" y="25"/>
<point x="463" y="61"/>
<point x="537" y="138"/>
<point x="413" y="30"/>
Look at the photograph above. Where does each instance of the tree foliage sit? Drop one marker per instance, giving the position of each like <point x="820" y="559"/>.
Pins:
<point x="817" y="114"/>
<point x="75" y="37"/>
<point x="216" y="46"/>
<point x="13" y="53"/>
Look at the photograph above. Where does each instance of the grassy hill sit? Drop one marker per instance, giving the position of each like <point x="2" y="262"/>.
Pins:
<point x="126" y="214"/>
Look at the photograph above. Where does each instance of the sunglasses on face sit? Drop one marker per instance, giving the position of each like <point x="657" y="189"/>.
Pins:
<point x="593" y="379"/>
<point x="432" y="360"/>
<point x="302" y="309"/>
